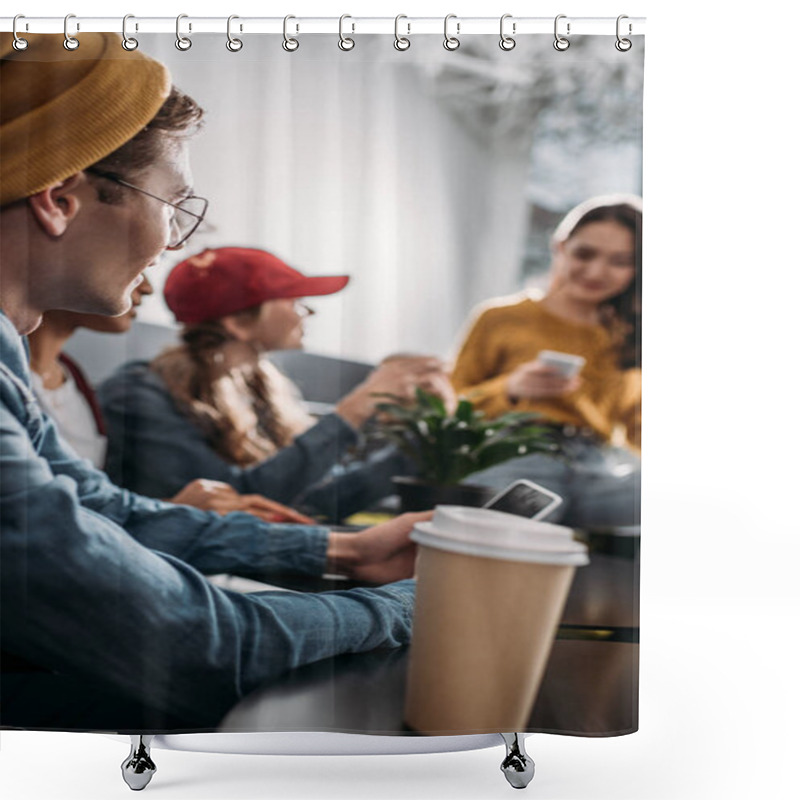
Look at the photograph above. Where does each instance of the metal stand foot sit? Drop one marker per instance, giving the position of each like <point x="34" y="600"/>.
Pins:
<point x="517" y="766"/>
<point x="138" y="768"/>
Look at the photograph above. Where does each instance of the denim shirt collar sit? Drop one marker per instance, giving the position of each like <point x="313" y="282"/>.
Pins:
<point x="14" y="350"/>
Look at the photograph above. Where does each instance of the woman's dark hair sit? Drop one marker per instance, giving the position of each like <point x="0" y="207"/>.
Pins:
<point x="621" y="315"/>
<point x="191" y="374"/>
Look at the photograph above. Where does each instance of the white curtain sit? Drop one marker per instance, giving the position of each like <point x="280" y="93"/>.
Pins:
<point x="351" y="163"/>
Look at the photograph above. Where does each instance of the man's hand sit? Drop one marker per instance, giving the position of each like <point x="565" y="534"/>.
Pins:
<point x="381" y="554"/>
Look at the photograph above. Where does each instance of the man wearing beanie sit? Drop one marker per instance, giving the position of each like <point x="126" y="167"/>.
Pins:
<point x="107" y="621"/>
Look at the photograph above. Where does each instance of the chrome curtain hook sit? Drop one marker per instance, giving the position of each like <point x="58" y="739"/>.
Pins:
<point x="345" y="42"/>
<point x="182" y="42"/>
<point x="623" y="45"/>
<point x="561" y="43"/>
<point x="128" y="42"/>
<point x="451" y="42"/>
<point x="19" y="43"/>
<point x="289" y="44"/>
<point x="401" y="42"/>
<point x="234" y="45"/>
<point x="70" y="42"/>
<point x="507" y="42"/>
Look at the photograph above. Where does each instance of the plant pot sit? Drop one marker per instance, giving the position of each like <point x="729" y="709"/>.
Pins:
<point x="417" y="495"/>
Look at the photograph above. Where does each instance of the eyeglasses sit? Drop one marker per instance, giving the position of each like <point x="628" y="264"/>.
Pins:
<point x="303" y="310"/>
<point x="186" y="218"/>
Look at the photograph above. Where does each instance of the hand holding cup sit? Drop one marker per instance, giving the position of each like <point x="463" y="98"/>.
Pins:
<point x="381" y="554"/>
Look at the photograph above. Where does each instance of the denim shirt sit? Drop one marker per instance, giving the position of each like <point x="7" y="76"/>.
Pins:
<point x="106" y="588"/>
<point x="155" y="449"/>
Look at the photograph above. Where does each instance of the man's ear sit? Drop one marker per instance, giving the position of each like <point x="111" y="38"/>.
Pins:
<point x="55" y="207"/>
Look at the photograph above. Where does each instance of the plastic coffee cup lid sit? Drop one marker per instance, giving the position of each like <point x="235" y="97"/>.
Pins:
<point x="495" y="534"/>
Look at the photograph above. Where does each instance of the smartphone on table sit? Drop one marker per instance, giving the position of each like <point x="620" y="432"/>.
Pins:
<point x="526" y="499"/>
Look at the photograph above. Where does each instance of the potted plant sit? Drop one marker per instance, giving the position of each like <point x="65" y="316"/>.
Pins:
<point x="446" y="448"/>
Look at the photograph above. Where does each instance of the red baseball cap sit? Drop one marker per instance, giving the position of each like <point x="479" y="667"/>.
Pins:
<point x="214" y="283"/>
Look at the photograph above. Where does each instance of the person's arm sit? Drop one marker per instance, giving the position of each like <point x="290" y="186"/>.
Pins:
<point x="82" y="597"/>
<point x="239" y="542"/>
<point x="399" y="375"/>
<point x="475" y="373"/>
<point x="155" y="450"/>
<point x="357" y="486"/>
<point x="208" y="541"/>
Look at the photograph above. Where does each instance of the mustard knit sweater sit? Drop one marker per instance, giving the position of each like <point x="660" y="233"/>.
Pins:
<point x="511" y="331"/>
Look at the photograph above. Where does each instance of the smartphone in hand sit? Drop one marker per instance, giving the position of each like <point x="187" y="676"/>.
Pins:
<point x="566" y="364"/>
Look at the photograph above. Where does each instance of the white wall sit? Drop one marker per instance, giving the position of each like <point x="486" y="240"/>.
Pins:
<point x="346" y="163"/>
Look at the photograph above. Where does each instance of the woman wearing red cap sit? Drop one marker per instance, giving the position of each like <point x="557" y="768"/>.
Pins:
<point x="64" y="392"/>
<point x="213" y="407"/>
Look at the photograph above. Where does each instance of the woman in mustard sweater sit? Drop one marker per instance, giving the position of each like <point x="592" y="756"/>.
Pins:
<point x="592" y="310"/>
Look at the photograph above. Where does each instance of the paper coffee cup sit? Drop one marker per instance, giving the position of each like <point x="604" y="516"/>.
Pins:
<point x="491" y="589"/>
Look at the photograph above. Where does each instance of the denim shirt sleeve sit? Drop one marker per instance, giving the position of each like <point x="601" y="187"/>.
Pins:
<point x="349" y="488"/>
<point x="155" y="450"/>
<point x="209" y="542"/>
<point x="81" y="596"/>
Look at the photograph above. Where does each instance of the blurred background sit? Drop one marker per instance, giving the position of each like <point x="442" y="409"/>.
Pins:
<point x="433" y="178"/>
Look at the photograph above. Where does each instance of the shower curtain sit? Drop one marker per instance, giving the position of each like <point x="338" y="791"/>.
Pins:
<point x="436" y="180"/>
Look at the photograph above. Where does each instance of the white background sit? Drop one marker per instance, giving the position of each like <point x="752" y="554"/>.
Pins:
<point x="720" y="604"/>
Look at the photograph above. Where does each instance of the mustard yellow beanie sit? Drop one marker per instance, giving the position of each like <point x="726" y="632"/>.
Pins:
<point x="61" y="111"/>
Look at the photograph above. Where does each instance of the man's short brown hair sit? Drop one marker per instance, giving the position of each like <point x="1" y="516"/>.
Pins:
<point x="179" y="117"/>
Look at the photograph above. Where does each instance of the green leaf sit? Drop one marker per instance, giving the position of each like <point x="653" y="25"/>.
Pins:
<point x="436" y="403"/>
<point x="464" y="412"/>
<point x="448" y="448"/>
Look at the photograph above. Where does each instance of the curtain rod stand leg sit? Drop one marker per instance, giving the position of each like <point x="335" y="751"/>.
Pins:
<point x="517" y="766"/>
<point x="138" y="768"/>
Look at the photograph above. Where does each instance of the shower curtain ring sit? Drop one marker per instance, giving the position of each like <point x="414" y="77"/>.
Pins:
<point x="507" y="42"/>
<point x="128" y="42"/>
<point x="451" y="42"/>
<point x="561" y="43"/>
<point x="234" y="45"/>
<point x="289" y="44"/>
<point x="70" y="42"/>
<point x="346" y="43"/>
<point x="623" y="45"/>
<point x="401" y="42"/>
<point x="182" y="42"/>
<point x="19" y="44"/>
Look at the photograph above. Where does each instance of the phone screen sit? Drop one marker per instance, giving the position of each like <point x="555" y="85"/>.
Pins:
<point x="522" y="500"/>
